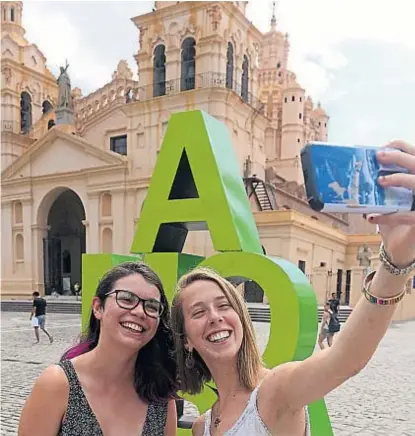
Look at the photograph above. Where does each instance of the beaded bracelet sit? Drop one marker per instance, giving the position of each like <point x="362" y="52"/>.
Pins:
<point x="393" y="269"/>
<point x="384" y="301"/>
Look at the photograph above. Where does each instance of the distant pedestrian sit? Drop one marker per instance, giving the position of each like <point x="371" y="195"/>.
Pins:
<point x="330" y="325"/>
<point x="38" y="316"/>
<point x="334" y="303"/>
<point x="77" y="290"/>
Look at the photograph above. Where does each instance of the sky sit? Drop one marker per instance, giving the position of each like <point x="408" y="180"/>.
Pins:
<point x="357" y="57"/>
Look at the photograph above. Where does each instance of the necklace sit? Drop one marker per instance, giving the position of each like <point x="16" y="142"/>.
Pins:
<point x="217" y="420"/>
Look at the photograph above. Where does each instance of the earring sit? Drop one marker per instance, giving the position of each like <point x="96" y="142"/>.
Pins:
<point x="190" y="361"/>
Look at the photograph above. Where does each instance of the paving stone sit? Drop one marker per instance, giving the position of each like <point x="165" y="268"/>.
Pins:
<point x="378" y="401"/>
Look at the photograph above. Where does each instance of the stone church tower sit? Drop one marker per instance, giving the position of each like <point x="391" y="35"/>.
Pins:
<point x="202" y="55"/>
<point x="28" y="88"/>
<point x="293" y="119"/>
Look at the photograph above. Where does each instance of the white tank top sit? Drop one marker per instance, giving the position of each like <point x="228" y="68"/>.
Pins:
<point x="249" y="423"/>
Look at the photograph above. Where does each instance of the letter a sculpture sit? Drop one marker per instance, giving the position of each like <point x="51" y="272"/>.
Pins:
<point x="196" y="185"/>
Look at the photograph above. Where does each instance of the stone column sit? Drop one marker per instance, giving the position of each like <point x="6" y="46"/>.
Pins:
<point x="27" y="233"/>
<point x="173" y="61"/>
<point x="93" y="214"/>
<point x="7" y="240"/>
<point x="38" y="234"/>
<point x="129" y="223"/>
<point x="85" y="223"/>
<point x="319" y="283"/>
<point x="145" y="62"/>
<point x="118" y="223"/>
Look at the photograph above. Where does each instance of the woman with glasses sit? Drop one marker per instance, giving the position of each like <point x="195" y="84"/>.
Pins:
<point x="121" y="378"/>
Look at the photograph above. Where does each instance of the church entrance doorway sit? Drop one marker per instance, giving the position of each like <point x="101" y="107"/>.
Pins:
<point x="64" y="245"/>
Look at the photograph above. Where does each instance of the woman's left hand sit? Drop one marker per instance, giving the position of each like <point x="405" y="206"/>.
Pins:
<point x="398" y="229"/>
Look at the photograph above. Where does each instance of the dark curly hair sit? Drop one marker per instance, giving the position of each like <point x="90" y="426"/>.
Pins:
<point x="155" y="368"/>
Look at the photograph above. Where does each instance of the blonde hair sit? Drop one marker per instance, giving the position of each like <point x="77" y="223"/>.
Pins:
<point x="249" y="363"/>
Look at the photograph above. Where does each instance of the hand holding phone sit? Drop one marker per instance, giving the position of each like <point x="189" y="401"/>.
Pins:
<point x="344" y="179"/>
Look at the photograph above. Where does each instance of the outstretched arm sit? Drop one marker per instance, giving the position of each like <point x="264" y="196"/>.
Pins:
<point x="293" y="385"/>
<point x="297" y="384"/>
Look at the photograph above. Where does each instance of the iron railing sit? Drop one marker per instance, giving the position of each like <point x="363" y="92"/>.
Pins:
<point x="199" y="81"/>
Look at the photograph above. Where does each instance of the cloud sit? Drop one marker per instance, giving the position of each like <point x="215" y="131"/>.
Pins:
<point x="318" y="28"/>
<point x="93" y="36"/>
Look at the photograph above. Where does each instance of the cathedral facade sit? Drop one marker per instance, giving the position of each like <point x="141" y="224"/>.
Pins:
<point x="74" y="182"/>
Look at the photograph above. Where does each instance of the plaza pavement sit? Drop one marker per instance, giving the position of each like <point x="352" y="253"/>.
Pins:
<point x="378" y="401"/>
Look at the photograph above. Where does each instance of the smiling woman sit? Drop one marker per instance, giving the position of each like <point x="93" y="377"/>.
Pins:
<point x="121" y="377"/>
<point x="215" y="340"/>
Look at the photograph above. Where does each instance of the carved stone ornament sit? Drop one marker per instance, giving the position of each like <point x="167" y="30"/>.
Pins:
<point x="157" y="39"/>
<point x="215" y="13"/>
<point x="7" y="73"/>
<point x="123" y="71"/>
<point x="143" y="31"/>
<point x="190" y="30"/>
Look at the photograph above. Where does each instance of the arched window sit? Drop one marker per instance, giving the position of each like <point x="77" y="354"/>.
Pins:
<point x="229" y="66"/>
<point x="159" y="71"/>
<point x="66" y="262"/>
<point x="25" y="112"/>
<point x="12" y="14"/>
<point x="107" y="240"/>
<point x="19" y="247"/>
<point x="245" y="78"/>
<point x="188" y="64"/>
<point x="46" y="107"/>
<point x="51" y="123"/>
<point x="129" y="96"/>
<point x="4" y="14"/>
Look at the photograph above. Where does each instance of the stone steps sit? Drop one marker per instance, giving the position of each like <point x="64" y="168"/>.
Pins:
<point x="262" y="313"/>
<point x="258" y="312"/>
<point x="71" y="307"/>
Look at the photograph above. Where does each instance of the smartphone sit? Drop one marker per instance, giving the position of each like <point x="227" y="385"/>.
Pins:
<point x="343" y="178"/>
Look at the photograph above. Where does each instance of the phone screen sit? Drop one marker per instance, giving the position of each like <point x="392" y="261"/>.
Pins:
<point x="346" y="178"/>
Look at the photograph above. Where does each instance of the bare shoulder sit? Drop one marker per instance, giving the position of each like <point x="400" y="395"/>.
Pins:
<point x="171" y="405"/>
<point x="198" y="427"/>
<point x="274" y="384"/>
<point x="52" y="379"/>
<point x="46" y="405"/>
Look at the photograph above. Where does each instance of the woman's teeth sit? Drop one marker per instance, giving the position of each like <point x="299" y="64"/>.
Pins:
<point x="219" y="336"/>
<point x="136" y="328"/>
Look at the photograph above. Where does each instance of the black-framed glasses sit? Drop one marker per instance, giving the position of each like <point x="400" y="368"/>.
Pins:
<point x="128" y="300"/>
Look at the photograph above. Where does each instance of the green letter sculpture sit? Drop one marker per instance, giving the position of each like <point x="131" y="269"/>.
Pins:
<point x="196" y="185"/>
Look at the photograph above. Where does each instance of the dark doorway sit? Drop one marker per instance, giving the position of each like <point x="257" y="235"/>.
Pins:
<point x="65" y="244"/>
<point x="339" y="283"/>
<point x="253" y="292"/>
<point x="348" y="284"/>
